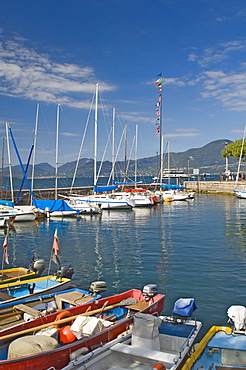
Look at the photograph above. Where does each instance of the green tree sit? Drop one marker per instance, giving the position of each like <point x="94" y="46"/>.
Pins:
<point x="234" y="149"/>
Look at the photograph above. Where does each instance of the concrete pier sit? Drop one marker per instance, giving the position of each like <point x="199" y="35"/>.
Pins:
<point x="220" y="187"/>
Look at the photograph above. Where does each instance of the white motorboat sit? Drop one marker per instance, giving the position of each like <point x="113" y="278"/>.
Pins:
<point x="154" y="343"/>
<point x="110" y="201"/>
<point x="83" y="206"/>
<point x="240" y="194"/>
<point x="141" y="197"/>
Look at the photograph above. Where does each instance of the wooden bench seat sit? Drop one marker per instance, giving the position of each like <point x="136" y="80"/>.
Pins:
<point x="145" y="353"/>
<point x="27" y="309"/>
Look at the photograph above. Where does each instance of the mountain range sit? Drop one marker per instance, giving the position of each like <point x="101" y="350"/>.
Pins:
<point x="207" y="159"/>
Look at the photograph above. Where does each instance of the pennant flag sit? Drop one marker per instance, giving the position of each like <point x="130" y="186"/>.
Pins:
<point x="5" y="249"/>
<point x="159" y="75"/>
<point x="56" y="244"/>
<point x="160" y="90"/>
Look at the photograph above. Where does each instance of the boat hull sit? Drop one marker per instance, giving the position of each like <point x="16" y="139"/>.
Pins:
<point x="15" y="274"/>
<point x="59" y="357"/>
<point x="43" y="285"/>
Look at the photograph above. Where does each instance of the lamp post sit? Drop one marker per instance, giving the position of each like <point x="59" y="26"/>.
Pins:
<point x="190" y="158"/>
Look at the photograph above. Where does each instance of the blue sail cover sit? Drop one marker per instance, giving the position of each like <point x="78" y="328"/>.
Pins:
<point x="7" y="203"/>
<point x="184" y="307"/>
<point x="174" y="187"/>
<point x="101" y="189"/>
<point x="53" y="205"/>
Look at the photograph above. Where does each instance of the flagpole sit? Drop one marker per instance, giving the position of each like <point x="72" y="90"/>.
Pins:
<point x="158" y="84"/>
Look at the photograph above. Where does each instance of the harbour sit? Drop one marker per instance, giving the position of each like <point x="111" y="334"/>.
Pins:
<point x="194" y="248"/>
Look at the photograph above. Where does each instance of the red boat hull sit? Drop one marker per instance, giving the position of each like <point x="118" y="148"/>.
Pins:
<point x="59" y="357"/>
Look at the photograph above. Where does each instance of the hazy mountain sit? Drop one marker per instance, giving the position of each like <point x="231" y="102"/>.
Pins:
<point x="207" y="159"/>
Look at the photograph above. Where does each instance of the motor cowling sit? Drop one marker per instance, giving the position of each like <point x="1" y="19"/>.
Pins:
<point x="66" y="271"/>
<point x="98" y="287"/>
<point x="150" y="290"/>
<point x="37" y="266"/>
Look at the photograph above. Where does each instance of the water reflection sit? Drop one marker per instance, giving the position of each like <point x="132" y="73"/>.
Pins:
<point x="189" y="249"/>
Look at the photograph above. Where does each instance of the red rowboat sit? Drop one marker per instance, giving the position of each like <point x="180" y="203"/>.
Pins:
<point x="59" y="357"/>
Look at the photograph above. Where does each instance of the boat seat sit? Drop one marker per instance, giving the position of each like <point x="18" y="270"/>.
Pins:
<point x="73" y="298"/>
<point x="150" y="354"/>
<point x="27" y="309"/>
<point x="5" y="296"/>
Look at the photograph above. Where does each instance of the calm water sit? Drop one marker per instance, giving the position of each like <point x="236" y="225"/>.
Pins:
<point x="189" y="249"/>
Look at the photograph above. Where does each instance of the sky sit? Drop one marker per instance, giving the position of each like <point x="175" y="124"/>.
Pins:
<point x="54" y="52"/>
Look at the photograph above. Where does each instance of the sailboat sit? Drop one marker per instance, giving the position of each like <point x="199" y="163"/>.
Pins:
<point x="56" y="207"/>
<point x="101" y="196"/>
<point x="141" y="197"/>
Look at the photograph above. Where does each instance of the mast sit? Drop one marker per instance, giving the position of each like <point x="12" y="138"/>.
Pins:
<point x="9" y="160"/>
<point x="168" y="160"/>
<point x="57" y="143"/>
<point x="125" y="150"/>
<point x="34" y="146"/>
<point x="161" y="164"/>
<point x="136" y="155"/>
<point x="95" y="135"/>
<point x="113" y="140"/>
<point x="241" y="154"/>
<point x="2" y="173"/>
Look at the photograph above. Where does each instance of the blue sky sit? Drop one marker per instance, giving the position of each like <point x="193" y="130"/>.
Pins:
<point x="55" y="51"/>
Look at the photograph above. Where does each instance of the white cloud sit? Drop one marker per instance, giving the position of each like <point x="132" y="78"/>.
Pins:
<point x="28" y="74"/>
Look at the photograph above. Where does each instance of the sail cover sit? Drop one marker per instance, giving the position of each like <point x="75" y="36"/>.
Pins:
<point x="53" y="205"/>
<point x="174" y="187"/>
<point x="101" y="189"/>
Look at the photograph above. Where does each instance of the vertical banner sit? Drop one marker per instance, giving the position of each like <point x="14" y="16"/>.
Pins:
<point x="158" y="84"/>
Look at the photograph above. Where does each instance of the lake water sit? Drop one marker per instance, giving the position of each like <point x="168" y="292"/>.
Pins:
<point x="194" y="248"/>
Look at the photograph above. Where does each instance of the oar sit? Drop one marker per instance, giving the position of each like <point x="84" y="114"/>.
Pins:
<point x="62" y="321"/>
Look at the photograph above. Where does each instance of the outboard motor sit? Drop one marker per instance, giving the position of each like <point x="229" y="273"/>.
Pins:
<point x="98" y="287"/>
<point x="37" y="266"/>
<point x="183" y="308"/>
<point x="66" y="271"/>
<point x="237" y="316"/>
<point x="149" y="291"/>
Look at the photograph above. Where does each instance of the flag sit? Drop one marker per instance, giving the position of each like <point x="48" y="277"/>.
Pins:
<point x="5" y="249"/>
<point x="55" y="244"/>
<point x="159" y="75"/>
<point x="158" y="81"/>
<point x="160" y="90"/>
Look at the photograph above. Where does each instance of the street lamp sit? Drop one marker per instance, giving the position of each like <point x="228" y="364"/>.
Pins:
<point x="190" y="158"/>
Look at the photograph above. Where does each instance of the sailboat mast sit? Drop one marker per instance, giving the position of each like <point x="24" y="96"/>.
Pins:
<point x="35" y="146"/>
<point x="2" y="173"/>
<point x="168" y="160"/>
<point x="113" y="141"/>
<point x="95" y="135"/>
<point x="136" y="154"/>
<point x="9" y="160"/>
<point x="57" y="143"/>
<point x="125" y="150"/>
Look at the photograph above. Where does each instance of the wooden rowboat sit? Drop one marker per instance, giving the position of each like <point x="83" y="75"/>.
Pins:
<point x="119" y="308"/>
<point x="12" y="292"/>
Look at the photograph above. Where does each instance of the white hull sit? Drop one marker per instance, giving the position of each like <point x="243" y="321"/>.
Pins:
<point x="106" y="202"/>
<point x="83" y="207"/>
<point x="131" y="351"/>
<point x="171" y="194"/>
<point x="140" y="200"/>
<point x="240" y="194"/>
<point x="18" y="214"/>
<point x="62" y="214"/>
